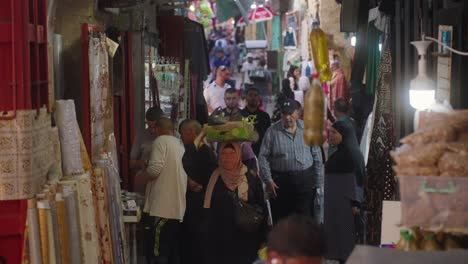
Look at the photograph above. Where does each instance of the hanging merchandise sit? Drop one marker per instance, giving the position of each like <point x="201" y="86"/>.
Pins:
<point x="304" y="37"/>
<point x="204" y="13"/>
<point x="26" y="153"/>
<point x="380" y="184"/>
<point x="314" y="115"/>
<point x="100" y="93"/>
<point x="170" y="85"/>
<point x="289" y="39"/>
<point x="319" y="45"/>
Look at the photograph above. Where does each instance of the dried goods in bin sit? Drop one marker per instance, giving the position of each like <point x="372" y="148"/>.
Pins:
<point x="435" y="203"/>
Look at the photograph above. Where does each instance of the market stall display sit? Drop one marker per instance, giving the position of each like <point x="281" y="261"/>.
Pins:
<point x="432" y="170"/>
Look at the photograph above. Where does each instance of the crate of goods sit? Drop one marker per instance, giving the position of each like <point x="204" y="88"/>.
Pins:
<point x="433" y="202"/>
<point x="432" y="167"/>
<point x="231" y="131"/>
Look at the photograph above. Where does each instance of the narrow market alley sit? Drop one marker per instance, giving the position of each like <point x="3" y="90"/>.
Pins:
<point x="233" y="131"/>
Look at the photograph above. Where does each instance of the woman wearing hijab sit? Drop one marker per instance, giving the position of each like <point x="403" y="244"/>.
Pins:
<point x="230" y="183"/>
<point x="344" y="173"/>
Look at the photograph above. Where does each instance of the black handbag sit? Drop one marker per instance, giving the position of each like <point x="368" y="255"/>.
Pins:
<point x="248" y="217"/>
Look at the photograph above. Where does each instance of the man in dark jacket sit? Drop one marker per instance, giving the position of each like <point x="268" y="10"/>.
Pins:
<point x="262" y="121"/>
<point x="199" y="162"/>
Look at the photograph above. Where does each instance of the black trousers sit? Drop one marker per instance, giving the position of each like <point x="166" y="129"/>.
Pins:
<point x="295" y="194"/>
<point x="162" y="238"/>
<point x="193" y="240"/>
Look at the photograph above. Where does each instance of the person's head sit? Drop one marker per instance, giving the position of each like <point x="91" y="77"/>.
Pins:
<point x="335" y="65"/>
<point x="189" y="130"/>
<point x="340" y="107"/>
<point x="231" y="98"/>
<point x="253" y="97"/>
<point x="222" y="73"/>
<point x="341" y="132"/>
<point x="290" y="113"/>
<point x="220" y="53"/>
<point x="294" y="72"/>
<point x="296" y="240"/>
<point x="230" y="156"/>
<point x="262" y="63"/>
<point x="250" y="57"/>
<point x="164" y="126"/>
<point x="152" y="115"/>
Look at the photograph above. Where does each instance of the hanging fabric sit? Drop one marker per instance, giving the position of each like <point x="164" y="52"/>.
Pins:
<point x="26" y="153"/>
<point x="101" y="106"/>
<point x="380" y="184"/>
<point x="373" y="58"/>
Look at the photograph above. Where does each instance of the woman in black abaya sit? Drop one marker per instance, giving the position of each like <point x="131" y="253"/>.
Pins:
<point x="344" y="174"/>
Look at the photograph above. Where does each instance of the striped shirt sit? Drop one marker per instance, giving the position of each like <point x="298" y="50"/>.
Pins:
<point x="283" y="151"/>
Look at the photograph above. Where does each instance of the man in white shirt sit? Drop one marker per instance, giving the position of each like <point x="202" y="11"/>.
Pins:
<point x="141" y="149"/>
<point x="165" y="195"/>
<point x="214" y="92"/>
<point x="247" y="66"/>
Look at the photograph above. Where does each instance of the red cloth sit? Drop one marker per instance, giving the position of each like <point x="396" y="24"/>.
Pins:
<point x="338" y="88"/>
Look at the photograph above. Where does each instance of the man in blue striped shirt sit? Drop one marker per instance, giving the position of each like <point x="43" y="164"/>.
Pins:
<point x="290" y="169"/>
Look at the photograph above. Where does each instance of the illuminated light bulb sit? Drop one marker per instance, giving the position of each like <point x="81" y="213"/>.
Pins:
<point x="192" y="8"/>
<point x="353" y="41"/>
<point x="253" y="6"/>
<point x="422" y="88"/>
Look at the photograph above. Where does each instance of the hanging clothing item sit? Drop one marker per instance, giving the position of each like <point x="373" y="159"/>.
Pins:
<point x="289" y="40"/>
<point x="373" y="58"/>
<point x="291" y="57"/>
<point x="339" y="87"/>
<point x="304" y="41"/>
<point x="380" y="179"/>
<point x="349" y="18"/>
<point x="308" y="71"/>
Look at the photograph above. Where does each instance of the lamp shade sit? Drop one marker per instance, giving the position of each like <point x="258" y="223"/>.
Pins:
<point x="422" y="88"/>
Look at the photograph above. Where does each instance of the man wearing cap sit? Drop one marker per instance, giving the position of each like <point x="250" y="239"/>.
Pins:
<point x="289" y="168"/>
<point x="214" y="92"/>
<point x="247" y="66"/>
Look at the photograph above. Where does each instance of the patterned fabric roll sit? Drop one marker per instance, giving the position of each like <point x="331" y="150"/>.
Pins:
<point x="62" y="229"/>
<point x="51" y="236"/>
<point x="54" y="228"/>
<point x="34" y="233"/>
<point x="102" y="213"/>
<point x="90" y="250"/>
<point x="44" y="213"/>
<point x="72" y="225"/>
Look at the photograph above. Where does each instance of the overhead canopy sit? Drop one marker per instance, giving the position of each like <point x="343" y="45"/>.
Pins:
<point x="256" y="15"/>
<point x="256" y="44"/>
<point x="227" y="9"/>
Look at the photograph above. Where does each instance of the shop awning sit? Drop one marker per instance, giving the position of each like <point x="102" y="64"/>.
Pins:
<point x="259" y="14"/>
<point x="227" y="9"/>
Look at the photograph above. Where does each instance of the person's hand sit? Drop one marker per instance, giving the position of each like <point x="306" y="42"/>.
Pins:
<point x="355" y="210"/>
<point x="199" y="139"/>
<point x="271" y="188"/>
<point x="194" y="186"/>
<point x="143" y="164"/>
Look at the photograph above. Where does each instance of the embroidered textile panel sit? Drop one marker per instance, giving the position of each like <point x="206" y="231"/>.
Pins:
<point x="26" y="154"/>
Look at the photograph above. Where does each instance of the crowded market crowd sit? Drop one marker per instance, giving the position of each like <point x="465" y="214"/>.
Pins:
<point x="229" y="202"/>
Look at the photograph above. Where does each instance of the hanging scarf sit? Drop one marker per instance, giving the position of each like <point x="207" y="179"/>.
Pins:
<point x="380" y="184"/>
<point x="233" y="178"/>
